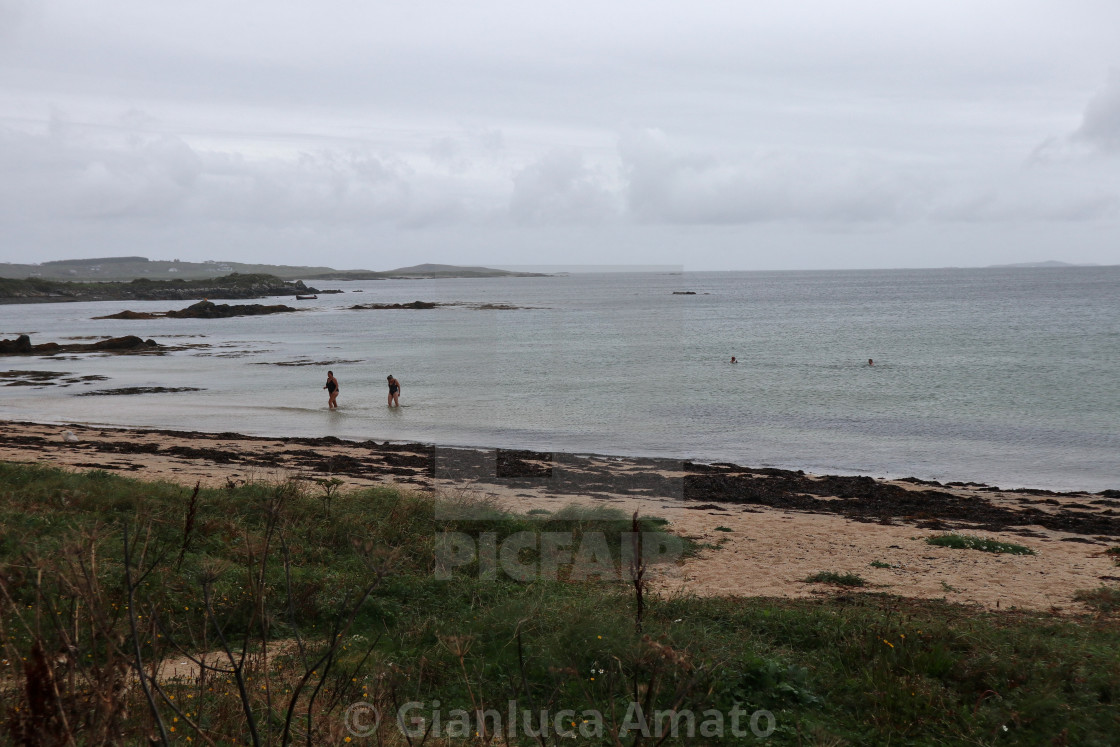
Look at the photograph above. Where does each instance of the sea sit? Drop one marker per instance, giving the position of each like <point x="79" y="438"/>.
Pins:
<point x="1005" y="376"/>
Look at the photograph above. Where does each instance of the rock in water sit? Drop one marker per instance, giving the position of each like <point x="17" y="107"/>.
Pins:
<point x="21" y="344"/>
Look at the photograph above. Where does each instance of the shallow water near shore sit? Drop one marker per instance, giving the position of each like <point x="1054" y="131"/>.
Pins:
<point x="1004" y="376"/>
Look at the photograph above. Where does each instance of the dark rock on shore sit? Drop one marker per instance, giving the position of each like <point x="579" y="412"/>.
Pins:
<point x="128" y="344"/>
<point x="205" y="310"/>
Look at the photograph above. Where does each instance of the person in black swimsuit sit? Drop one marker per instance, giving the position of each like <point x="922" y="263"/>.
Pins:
<point x="394" y="391"/>
<point x="332" y="390"/>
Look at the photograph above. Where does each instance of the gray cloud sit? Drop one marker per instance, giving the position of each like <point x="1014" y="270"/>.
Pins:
<point x="1027" y="206"/>
<point x="493" y="129"/>
<point x="80" y="173"/>
<point x="562" y="188"/>
<point x="1100" y="126"/>
<point x="670" y="185"/>
<point x="13" y="14"/>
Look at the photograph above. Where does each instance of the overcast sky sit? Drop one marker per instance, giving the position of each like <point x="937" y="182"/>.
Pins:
<point x="769" y="134"/>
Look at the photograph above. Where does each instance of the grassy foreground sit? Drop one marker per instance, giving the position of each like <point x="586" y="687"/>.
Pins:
<point x="296" y="614"/>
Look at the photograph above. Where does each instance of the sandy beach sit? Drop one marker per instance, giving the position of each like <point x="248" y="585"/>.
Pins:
<point x="765" y="529"/>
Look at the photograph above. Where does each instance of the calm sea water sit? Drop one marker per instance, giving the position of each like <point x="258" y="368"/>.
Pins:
<point x="1006" y="376"/>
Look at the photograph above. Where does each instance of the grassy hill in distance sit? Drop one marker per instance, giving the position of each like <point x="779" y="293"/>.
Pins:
<point x="131" y="268"/>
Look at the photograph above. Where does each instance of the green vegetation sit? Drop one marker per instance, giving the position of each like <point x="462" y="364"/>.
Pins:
<point x="880" y="564"/>
<point x="1104" y="599"/>
<point x="1114" y="553"/>
<point x="968" y="542"/>
<point x="308" y="598"/>
<point x="839" y="579"/>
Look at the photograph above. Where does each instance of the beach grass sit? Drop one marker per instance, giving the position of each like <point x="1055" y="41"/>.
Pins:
<point x="837" y="579"/>
<point x="305" y="606"/>
<point x="969" y="542"/>
<point x="1105" y="599"/>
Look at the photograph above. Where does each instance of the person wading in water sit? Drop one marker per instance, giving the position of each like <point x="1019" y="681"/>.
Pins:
<point x="394" y="391"/>
<point x="332" y="390"/>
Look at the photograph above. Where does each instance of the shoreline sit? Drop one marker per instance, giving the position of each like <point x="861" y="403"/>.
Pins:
<point x="419" y="446"/>
<point x="764" y="529"/>
<point x="1016" y="486"/>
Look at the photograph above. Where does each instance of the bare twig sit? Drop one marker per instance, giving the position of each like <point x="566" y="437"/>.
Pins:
<point x="238" y="665"/>
<point x="637" y="574"/>
<point x="188" y="528"/>
<point x="138" y="663"/>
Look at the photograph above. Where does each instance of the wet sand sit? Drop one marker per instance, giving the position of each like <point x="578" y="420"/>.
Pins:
<point x="765" y="529"/>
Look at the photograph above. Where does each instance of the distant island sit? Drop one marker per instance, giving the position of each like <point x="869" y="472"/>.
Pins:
<point x="1047" y="263"/>
<point x="132" y="268"/>
<point x="422" y="272"/>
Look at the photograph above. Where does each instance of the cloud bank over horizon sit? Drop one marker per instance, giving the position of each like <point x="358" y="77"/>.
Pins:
<point x="749" y="139"/>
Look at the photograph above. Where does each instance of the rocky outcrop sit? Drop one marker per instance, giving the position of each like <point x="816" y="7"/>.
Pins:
<point x="19" y="346"/>
<point x="412" y="305"/>
<point x="128" y="344"/>
<point x="211" y="310"/>
<point x="205" y="310"/>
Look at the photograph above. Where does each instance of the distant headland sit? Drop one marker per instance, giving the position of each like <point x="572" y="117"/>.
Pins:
<point x="132" y="268"/>
<point x="234" y="285"/>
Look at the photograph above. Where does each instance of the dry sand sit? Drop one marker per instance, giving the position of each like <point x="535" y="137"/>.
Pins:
<point x="767" y="530"/>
